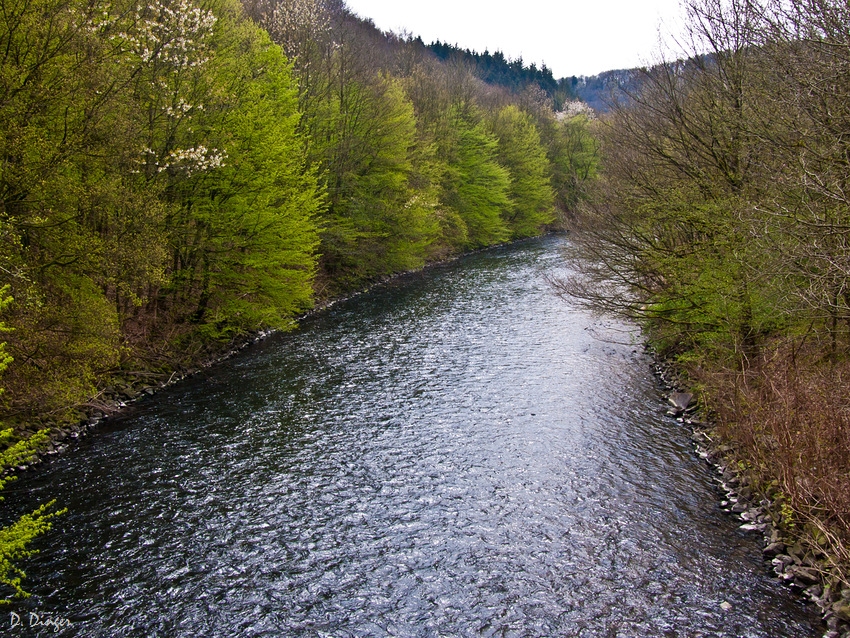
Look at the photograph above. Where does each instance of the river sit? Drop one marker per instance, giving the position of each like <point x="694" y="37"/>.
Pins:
<point x="458" y="452"/>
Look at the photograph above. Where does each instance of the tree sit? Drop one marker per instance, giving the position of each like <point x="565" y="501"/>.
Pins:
<point x="379" y="223"/>
<point x="573" y="151"/>
<point x="807" y="215"/>
<point x="521" y="152"/>
<point x="721" y="223"/>
<point x="668" y="239"/>
<point x="244" y="230"/>
<point x="55" y="97"/>
<point x="475" y="185"/>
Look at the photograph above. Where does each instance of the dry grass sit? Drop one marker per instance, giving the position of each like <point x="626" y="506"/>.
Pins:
<point x="788" y="417"/>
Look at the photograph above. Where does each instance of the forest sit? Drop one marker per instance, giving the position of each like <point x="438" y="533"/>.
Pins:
<point x="177" y="174"/>
<point x="495" y="68"/>
<point x="721" y="225"/>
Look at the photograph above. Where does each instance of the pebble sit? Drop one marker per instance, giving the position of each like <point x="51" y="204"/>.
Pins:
<point x="752" y="527"/>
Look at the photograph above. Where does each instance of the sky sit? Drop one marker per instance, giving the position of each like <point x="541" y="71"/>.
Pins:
<point x="572" y="37"/>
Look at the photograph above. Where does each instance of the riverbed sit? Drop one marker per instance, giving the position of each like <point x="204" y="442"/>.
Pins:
<point x="458" y="452"/>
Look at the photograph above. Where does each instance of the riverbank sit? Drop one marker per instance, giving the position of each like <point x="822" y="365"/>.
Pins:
<point x="805" y="567"/>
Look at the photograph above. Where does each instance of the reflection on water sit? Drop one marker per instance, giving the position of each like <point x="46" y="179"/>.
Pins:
<point x="457" y="453"/>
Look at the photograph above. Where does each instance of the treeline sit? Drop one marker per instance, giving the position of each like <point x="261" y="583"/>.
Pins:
<point x="153" y="189"/>
<point x="722" y="223"/>
<point x="495" y="68"/>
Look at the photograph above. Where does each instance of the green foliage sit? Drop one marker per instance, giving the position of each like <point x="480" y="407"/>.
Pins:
<point x="202" y="219"/>
<point x="398" y="216"/>
<point x="244" y="233"/>
<point x="74" y="334"/>
<point x="5" y="357"/>
<point x="521" y="152"/>
<point x="786" y="514"/>
<point x="378" y="222"/>
<point x="475" y="185"/>
<point x="573" y="151"/>
<point x="58" y="183"/>
<point x="404" y="144"/>
<point x="17" y="452"/>
<point x="15" y="538"/>
<point x="671" y="224"/>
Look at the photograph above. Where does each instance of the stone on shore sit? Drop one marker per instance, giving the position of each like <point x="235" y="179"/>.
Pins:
<point x="680" y="400"/>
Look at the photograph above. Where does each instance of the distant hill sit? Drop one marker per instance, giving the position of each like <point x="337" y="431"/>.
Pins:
<point x="598" y="91"/>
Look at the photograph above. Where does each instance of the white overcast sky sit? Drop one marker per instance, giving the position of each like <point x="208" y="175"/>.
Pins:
<point x="572" y="37"/>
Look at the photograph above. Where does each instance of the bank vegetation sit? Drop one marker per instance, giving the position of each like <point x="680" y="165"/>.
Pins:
<point x="722" y="223"/>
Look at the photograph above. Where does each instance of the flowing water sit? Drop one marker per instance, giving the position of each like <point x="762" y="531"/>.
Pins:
<point x="455" y="453"/>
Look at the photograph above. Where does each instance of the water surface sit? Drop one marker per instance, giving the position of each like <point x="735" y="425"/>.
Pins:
<point x="456" y="453"/>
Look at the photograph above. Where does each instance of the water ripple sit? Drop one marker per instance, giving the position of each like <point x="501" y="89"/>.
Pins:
<point x="458" y="453"/>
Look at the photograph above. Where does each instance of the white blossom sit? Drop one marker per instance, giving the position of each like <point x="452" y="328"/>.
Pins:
<point x="291" y="21"/>
<point x="574" y="108"/>
<point x="193" y="160"/>
<point x="172" y="32"/>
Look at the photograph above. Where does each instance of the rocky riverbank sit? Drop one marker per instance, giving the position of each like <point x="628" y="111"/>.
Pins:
<point x="802" y="566"/>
